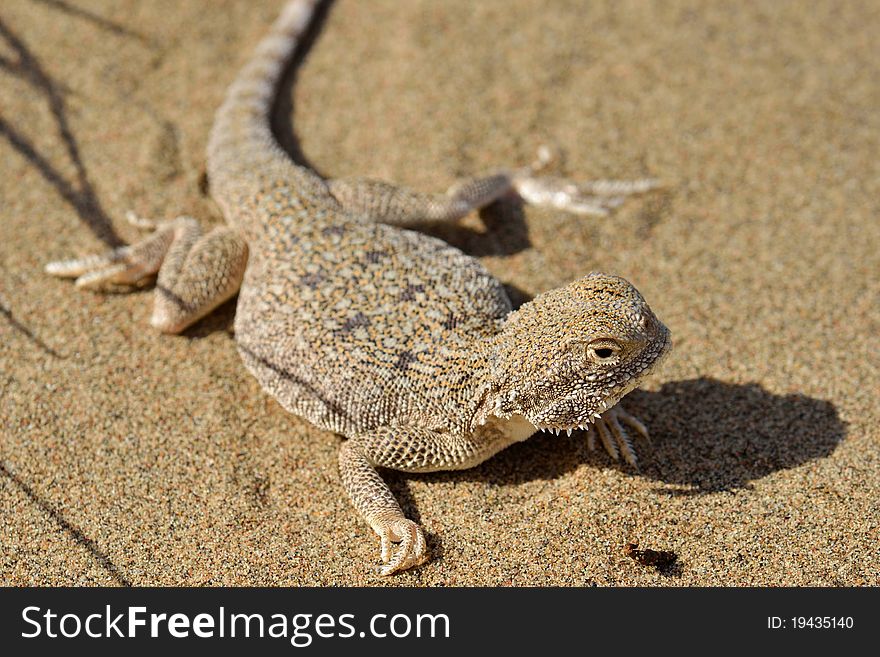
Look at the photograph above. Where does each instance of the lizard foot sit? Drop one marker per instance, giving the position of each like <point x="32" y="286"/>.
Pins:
<point x="614" y="437"/>
<point x="125" y="265"/>
<point x="412" y="551"/>
<point x="595" y="197"/>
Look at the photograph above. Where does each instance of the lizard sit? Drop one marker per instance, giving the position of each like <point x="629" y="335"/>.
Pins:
<point x="365" y="327"/>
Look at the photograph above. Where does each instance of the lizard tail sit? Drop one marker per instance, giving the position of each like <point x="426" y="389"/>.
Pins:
<point x="241" y="138"/>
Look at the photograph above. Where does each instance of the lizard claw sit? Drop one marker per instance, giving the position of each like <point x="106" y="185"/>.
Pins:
<point x="614" y="437"/>
<point x="412" y="550"/>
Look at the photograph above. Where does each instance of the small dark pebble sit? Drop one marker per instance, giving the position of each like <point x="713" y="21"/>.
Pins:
<point x="659" y="559"/>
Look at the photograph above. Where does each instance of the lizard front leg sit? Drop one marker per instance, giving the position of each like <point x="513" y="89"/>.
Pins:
<point x="409" y="450"/>
<point x="197" y="272"/>
<point x="615" y="439"/>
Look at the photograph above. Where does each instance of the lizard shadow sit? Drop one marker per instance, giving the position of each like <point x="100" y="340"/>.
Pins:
<point x="506" y="233"/>
<point x="221" y="319"/>
<point x="708" y="436"/>
<point x="283" y="109"/>
<point x="717" y="436"/>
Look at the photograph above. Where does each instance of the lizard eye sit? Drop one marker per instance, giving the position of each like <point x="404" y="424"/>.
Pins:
<point x="602" y="351"/>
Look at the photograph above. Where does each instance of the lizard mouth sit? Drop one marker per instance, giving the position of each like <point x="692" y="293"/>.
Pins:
<point x="589" y="410"/>
<point x="567" y="428"/>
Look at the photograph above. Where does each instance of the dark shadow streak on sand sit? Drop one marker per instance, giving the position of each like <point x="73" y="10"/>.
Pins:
<point x="24" y="330"/>
<point x="75" y="533"/>
<point x="95" y="19"/>
<point x="81" y="197"/>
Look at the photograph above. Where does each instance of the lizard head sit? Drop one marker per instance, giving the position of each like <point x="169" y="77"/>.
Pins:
<point x="571" y="353"/>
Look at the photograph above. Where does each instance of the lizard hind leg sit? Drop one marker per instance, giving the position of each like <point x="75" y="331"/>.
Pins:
<point x="396" y="205"/>
<point x="594" y="197"/>
<point x="196" y="272"/>
<point x="399" y="206"/>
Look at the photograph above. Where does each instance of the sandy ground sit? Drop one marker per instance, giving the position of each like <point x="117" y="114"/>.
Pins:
<point x="129" y="457"/>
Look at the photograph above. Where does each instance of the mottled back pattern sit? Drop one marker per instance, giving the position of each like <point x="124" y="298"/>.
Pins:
<point x="357" y="325"/>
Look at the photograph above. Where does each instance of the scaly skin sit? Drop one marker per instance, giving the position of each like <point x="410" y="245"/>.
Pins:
<point x="396" y="340"/>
